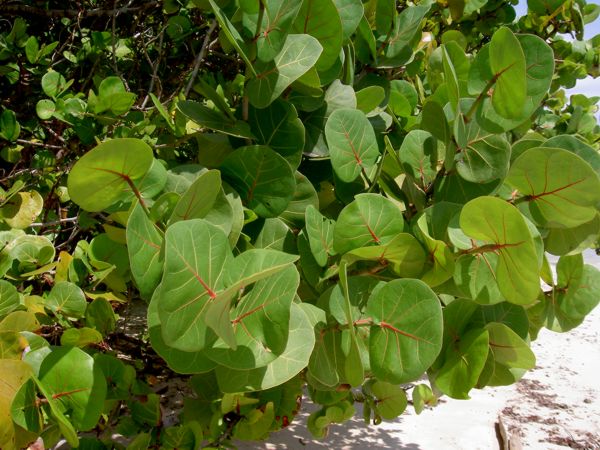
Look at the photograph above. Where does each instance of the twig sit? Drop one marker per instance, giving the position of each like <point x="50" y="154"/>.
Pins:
<point x="114" y="45"/>
<point x="38" y="144"/>
<point x="154" y="67"/>
<point x="200" y="57"/>
<point x="54" y="222"/>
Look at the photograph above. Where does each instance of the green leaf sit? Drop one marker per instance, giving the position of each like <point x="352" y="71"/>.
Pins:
<point x="10" y="299"/>
<point x="399" y="45"/>
<point x="279" y="15"/>
<point x="45" y="109"/>
<point x="574" y="296"/>
<point x="144" y="244"/>
<point x="198" y="201"/>
<point x="320" y="235"/>
<point x="279" y="128"/>
<point x="560" y="188"/>
<point x="14" y="375"/>
<point x="504" y="231"/>
<point x="419" y="157"/>
<point x="422" y="396"/>
<point x="32" y="49"/>
<point x="300" y="344"/>
<point x="305" y="195"/>
<point x="351" y="12"/>
<point x="113" y="97"/>
<point x="508" y="349"/>
<point x="80" y="337"/>
<point x="260" y="321"/>
<point x="54" y="84"/>
<point x="70" y="376"/>
<point x="390" y="401"/>
<point x="407" y="333"/>
<point x="68" y="299"/>
<point x="200" y="280"/>
<point x="320" y="19"/>
<point x="9" y="126"/>
<point x="484" y="159"/>
<point x="299" y="53"/>
<point x="26" y="409"/>
<point x="403" y="253"/>
<point x="507" y="62"/>
<point x="179" y="361"/>
<point x="214" y="120"/>
<point x="475" y="275"/>
<point x="564" y="241"/>
<point x="22" y="209"/>
<point x="108" y="173"/>
<point x="464" y="362"/>
<point x="232" y="35"/>
<point x="264" y="180"/>
<point x="100" y="316"/>
<point x="369" y="220"/>
<point x="385" y="16"/>
<point x="369" y="98"/>
<point x="352" y="143"/>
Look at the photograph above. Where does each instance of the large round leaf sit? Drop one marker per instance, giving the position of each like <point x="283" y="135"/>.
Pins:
<point x="71" y="378"/>
<point x="561" y="189"/>
<point x="504" y="231"/>
<point x="279" y="127"/>
<point x="261" y="320"/>
<point x="200" y="280"/>
<point x="67" y="298"/>
<point x="264" y="179"/>
<point x="507" y="62"/>
<point x="352" y="143"/>
<point x="419" y="157"/>
<point x="407" y="333"/>
<point x="279" y="15"/>
<point x="177" y="360"/>
<point x="294" y="358"/>
<point x="106" y="173"/>
<point x="369" y="220"/>
<point x="144" y="244"/>
<point x="298" y="55"/>
<point x="14" y="375"/>
<point x="465" y="359"/>
<point x="351" y="12"/>
<point x="485" y="158"/>
<point x="10" y="299"/>
<point x="196" y="254"/>
<point x="22" y="209"/>
<point x="321" y="20"/>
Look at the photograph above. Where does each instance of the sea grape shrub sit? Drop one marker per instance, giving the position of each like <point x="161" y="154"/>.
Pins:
<point x="371" y="205"/>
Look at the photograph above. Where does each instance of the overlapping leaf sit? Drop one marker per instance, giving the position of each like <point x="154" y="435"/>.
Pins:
<point x="503" y="230"/>
<point x="407" y="333"/>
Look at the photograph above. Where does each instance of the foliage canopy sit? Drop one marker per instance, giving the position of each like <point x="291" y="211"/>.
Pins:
<point x="322" y="200"/>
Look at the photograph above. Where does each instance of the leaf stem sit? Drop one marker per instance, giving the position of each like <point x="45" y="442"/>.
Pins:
<point x="200" y="57"/>
<point x="480" y="98"/>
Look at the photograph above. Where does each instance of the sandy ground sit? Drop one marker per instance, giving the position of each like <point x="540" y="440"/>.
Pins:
<point x="555" y="406"/>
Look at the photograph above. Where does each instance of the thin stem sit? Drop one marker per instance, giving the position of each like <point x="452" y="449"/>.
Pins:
<point x="480" y="98"/>
<point x="154" y="68"/>
<point x="54" y="222"/>
<point x="200" y="57"/>
<point x="261" y="13"/>
<point x="39" y="144"/>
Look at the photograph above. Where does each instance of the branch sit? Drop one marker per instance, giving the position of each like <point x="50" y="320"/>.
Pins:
<point x="17" y="9"/>
<point x="200" y="57"/>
